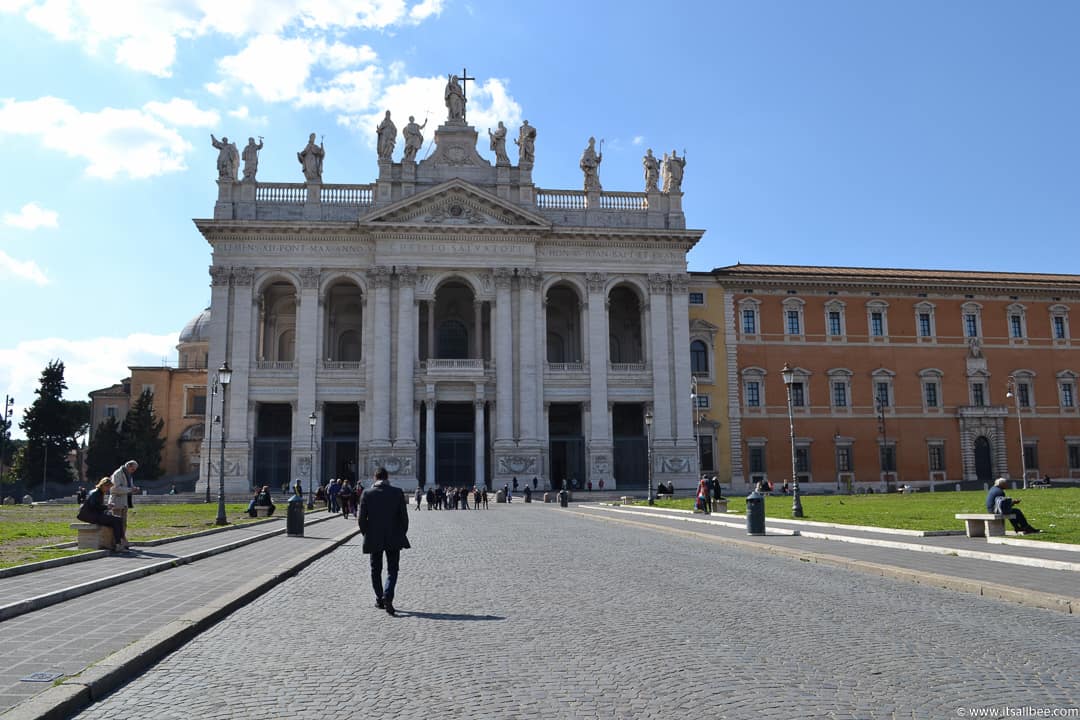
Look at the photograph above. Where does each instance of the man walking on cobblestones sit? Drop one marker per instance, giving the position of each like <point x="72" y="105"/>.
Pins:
<point x="384" y="521"/>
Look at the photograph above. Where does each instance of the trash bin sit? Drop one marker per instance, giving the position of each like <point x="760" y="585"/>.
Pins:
<point x="755" y="513"/>
<point x="564" y="498"/>
<point x="294" y="518"/>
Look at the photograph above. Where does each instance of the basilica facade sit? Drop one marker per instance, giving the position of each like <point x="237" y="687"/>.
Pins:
<point x="450" y="321"/>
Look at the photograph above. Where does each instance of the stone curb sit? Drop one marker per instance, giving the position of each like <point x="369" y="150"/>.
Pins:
<point x="1030" y="598"/>
<point x="100" y="679"/>
<point x="21" y="607"/>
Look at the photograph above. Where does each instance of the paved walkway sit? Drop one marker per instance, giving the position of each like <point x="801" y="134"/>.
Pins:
<point x="585" y="612"/>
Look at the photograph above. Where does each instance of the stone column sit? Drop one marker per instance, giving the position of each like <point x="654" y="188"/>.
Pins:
<point x="406" y="336"/>
<point x="528" y="377"/>
<point x="478" y="332"/>
<point x="237" y="448"/>
<point x="660" y="361"/>
<point x="478" y="438"/>
<point x="504" y="360"/>
<point x="379" y="278"/>
<point x="306" y="359"/>
<point x="429" y="450"/>
<point x="431" y="329"/>
<point x="600" y="461"/>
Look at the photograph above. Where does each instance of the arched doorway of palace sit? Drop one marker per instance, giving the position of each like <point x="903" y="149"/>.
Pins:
<point x="984" y="464"/>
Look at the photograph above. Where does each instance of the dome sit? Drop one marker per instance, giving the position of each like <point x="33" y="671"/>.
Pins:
<point x="198" y="329"/>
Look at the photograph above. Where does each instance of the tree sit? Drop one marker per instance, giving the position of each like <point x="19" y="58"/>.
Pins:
<point x="49" y="430"/>
<point x="78" y="412"/>
<point x="106" y="450"/>
<point x="142" y="441"/>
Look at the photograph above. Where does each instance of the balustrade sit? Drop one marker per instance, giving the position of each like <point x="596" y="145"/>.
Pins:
<point x="565" y="367"/>
<point x="281" y="193"/>
<point x="627" y="367"/>
<point x="347" y="194"/>
<point x="623" y="201"/>
<point x="560" y="199"/>
<point x="274" y="364"/>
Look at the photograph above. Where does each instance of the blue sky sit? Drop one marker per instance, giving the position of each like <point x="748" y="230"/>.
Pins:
<point x="825" y="132"/>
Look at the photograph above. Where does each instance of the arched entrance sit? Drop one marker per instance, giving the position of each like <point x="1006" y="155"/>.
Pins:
<point x="984" y="465"/>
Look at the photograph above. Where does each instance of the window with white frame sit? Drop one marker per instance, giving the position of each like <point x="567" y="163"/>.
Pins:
<point x="757" y="459"/>
<point x="798" y="394"/>
<point x="835" y="320"/>
<point x="1031" y="455"/>
<point x="696" y="298"/>
<point x="883" y="387"/>
<point x="1024" y="386"/>
<point x="972" y="314"/>
<point x="750" y="314"/>
<point x="802" y="461"/>
<point x="978" y="393"/>
<point x="925" y="325"/>
<point x="110" y="411"/>
<point x="887" y="456"/>
<point x="1072" y="451"/>
<point x="843" y="459"/>
<point x="1067" y="390"/>
<point x="793" y="317"/>
<point x="877" y="319"/>
<point x="706" y="454"/>
<point x="1059" y="322"/>
<point x="753" y="387"/>
<point x="699" y="357"/>
<point x="194" y="400"/>
<point x="931" y="387"/>
<point x="701" y="401"/>
<point x="840" y="388"/>
<point x="1017" y="315"/>
<point x="936" y="455"/>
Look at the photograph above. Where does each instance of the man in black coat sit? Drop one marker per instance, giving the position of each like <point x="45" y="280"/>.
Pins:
<point x="384" y="521"/>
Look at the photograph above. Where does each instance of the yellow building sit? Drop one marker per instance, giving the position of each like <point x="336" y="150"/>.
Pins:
<point x="709" y="387"/>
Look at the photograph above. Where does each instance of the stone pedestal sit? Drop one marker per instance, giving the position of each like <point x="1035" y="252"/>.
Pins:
<point x="408" y="178"/>
<point x="313" y="202"/>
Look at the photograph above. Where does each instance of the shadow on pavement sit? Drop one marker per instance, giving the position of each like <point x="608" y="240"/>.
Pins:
<point x="446" y="616"/>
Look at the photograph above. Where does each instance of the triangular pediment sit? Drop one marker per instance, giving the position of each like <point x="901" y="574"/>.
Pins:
<point x="454" y="203"/>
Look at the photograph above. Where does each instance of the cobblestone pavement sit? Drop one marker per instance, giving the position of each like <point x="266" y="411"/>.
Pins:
<point x="528" y="611"/>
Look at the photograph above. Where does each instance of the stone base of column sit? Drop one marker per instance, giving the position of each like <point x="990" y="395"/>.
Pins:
<point x="677" y="465"/>
<point x="400" y="464"/>
<point x="520" y="462"/>
<point x="601" y="466"/>
<point x="237" y="474"/>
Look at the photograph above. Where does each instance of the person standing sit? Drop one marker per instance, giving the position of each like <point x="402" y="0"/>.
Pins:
<point x="383" y="518"/>
<point x="123" y="487"/>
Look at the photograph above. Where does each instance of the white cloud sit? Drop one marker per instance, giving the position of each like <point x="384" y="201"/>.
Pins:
<point x="143" y="33"/>
<point x="183" y="112"/>
<point x="638" y="140"/>
<point x="31" y="217"/>
<point x="88" y="364"/>
<point x="112" y="141"/>
<point x="23" y="269"/>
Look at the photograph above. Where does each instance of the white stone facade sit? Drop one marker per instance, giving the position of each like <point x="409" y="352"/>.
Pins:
<point x="453" y="323"/>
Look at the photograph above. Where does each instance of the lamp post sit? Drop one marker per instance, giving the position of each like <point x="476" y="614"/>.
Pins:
<point x="210" y="439"/>
<point x="648" y="431"/>
<point x="796" y="500"/>
<point x="8" y="410"/>
<point x="886" y="456"/>
<point x="224" y="376"/>
<point x="311" y="460"/>
<point x="1014" y="393"/>
<point x="45" y="467"/>
<point x="697" y="419"/>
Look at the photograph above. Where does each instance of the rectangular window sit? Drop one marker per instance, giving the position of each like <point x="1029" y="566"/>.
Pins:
<point x="839" y="394"/>
<point x="753" y="394"/>
<point x="877" y="324"/>
<point x="749" y="322"/>
<point x="924" y="324"/>
<point x="757" y="460"/>
<point x="937" y="458"/>
<point x="1059" y="328"/>
<point x="110" y="411"/>
<point x="1068" y="398"/>
<point x="798" y="395"/>
<point x="1074" y="457"/>
<point x="697" y="298"/>
<point x="196" y="404"/>
<point x="971" y="325"/>
<point x="702" y="401"/>
<point x="1024" y="394"/>
<point x="843" y="459"/>
<point x="705" y="453"/>
<point x="802" y="460"/>
<point x="1016" y="326"/>
<point x="793" y="324"/>
<point x="978" y="395"/>
<point x="882" y="394"/>
<point x="888" y="458"/>
<point x="834" y="323"/>
<point x="1031" y="457"/>
<point x="931" y="394"/>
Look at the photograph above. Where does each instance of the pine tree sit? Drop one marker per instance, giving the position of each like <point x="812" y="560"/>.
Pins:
<point x="106" y="450"/>
<point x="142" y="440"/>
<point x="49" y="430"/>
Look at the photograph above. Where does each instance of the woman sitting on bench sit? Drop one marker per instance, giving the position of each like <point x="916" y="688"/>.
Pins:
<point x="94" y="511"/>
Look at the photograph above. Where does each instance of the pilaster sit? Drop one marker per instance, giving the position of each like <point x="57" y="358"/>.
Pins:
<point x="599" y="466"/>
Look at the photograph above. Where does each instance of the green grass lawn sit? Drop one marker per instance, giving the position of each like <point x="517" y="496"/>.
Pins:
<point x="1055" y="511"/>
<point x="24" y="529"/>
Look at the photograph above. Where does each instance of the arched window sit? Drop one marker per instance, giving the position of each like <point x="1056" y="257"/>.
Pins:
<point x="699" y="358"/>
<point x="286" y="345"/>
<point x="453" y="340"/>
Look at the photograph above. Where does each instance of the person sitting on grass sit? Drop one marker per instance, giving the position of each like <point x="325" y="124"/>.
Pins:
<point x="1000" y="504"/>
<point x="95" y="512"/>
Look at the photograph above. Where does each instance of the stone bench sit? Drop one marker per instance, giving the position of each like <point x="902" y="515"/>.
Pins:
<point x="719" y="505"/>
<point x="626" y="500"/>
<point x="984" y="524"/>
<point x="262" y="511"/>
<point x="94" y="537"/>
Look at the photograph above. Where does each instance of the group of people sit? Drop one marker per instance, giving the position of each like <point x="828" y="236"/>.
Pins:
<point x="341" y="495"/>
<point x="454" y="498"/>
<point x="108" y="503"/>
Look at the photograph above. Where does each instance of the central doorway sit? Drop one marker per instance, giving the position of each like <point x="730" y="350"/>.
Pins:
<point x="566" y="444"/>
<point x="984" y="466"/>
<point x="455" y="445"/>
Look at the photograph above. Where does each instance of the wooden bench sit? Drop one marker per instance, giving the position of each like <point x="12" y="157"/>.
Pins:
<point x="94" y="537"/>
<point x="984" y="524"/>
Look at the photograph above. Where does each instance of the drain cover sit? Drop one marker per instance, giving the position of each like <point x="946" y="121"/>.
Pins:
<point x="42" y="677"/>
